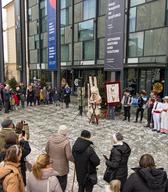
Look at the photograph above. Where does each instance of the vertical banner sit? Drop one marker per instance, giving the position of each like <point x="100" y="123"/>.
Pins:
<point x="51" y="9"/>
<point x="114" y="32"/>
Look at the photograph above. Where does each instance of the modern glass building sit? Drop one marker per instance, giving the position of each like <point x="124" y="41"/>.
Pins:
<point x="82" y="38"/>
<point x="83" y="35"/>
<point x="147" y="44"/>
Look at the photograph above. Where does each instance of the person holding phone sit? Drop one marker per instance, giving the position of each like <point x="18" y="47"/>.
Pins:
<point x="12" y="139"/>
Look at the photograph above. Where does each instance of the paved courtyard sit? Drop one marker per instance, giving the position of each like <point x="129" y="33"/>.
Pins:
<point x="45" y="120"/>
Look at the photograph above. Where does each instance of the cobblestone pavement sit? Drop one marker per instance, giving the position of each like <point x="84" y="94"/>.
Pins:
<point x="45" y="120"/>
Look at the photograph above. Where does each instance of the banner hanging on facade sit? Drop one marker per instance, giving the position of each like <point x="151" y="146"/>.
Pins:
<point x="51" y="10"/>
<point x="114" y="32"/>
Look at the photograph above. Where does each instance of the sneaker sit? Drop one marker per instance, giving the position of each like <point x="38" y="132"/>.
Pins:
<point x="154" y="130"/>
<point x="135" y="121"/>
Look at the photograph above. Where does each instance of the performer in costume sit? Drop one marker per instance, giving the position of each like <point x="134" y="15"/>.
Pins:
<point x="126" y="102"/>
<point x="164" y="116"/>
<point x="156" y="112"/>
<point x="94" y="101"/>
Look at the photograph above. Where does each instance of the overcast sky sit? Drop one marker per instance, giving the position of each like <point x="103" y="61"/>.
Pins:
<point x="4" y="2"/>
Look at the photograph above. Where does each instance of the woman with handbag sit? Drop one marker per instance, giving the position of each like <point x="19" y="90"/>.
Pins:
<point x="43" y="177"/>
<point x="117" y="168"/>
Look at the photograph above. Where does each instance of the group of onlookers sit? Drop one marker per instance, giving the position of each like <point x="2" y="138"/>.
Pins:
<point x="50" y="170"/>
<point x="157" y="111"/>
<point x="34" y="94"/>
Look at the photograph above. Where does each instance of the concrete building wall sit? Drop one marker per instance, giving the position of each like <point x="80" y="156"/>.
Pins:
<point x="11" y="70"/>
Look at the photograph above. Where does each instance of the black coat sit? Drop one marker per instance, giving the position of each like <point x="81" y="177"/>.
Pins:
<point x="86" y="160"/>
<point x="118" y="161"/>
<point x="147" y="180"/>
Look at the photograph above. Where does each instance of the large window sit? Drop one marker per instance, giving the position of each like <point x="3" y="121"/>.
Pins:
<point x="86" y="31"/>
<point x="64" y="17"/>
<point x="88" y="50"/>
<point x="136" y="44"/>
<point x="62" y="35"/>
<point x="65" y="3"/>
<point x="155" y="42"/>
<point x="151" y="15"/>
<point x="64" y="52"/>
<point x="89" y="9"/>
<point x="132" y="19"/>
<point x="136" y="2"/>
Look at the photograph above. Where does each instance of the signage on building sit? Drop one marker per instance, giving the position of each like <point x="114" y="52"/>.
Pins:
<point x="114" y="32"/>
<point x="51" y="9"/>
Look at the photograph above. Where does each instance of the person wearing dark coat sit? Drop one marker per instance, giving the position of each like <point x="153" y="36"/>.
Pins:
<point x="118" y="160"/>
<point x="140" y="108"/>
<point x="86" y="161"/>
<point x="147" y="178"/>
<point x="67" y="93"/>
<point x="12" y="139"/>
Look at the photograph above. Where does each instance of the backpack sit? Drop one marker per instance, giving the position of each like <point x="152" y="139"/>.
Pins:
<point x="2" y="177"/>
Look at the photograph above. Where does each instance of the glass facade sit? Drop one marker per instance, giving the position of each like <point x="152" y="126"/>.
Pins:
<point x="147" y="42"/>
<point x="83" y="34"/>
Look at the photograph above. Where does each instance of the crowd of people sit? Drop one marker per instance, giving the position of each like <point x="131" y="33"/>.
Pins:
<point x="157" y="109"/>
<point x="34" y="94"/>
<point x="50" y="171"/>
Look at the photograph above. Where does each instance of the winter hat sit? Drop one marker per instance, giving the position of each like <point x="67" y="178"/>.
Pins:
<point x="63" y="130"/>
<point x="165" y="98"/>
<point x="85" y="134"/>
<point x="118" y="137"/>
<point x="6" y="123"/>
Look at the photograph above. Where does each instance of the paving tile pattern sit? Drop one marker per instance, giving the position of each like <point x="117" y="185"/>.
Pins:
<point x="45" y="120"/>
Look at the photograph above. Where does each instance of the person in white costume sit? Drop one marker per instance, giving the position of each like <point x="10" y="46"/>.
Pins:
<point x="164" y="116"/>
<point x="156" y="112"/>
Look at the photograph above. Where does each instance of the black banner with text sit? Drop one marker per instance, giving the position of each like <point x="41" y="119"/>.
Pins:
<point x="114" y="32"/>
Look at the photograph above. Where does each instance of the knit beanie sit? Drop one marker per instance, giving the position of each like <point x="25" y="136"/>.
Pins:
<point x="63" y="130"/>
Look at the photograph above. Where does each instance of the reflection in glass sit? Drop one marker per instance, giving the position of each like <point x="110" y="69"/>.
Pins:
<point x="65" y="3"/>
<point x="132" y="19"/>
<point x="88" y="50"/>
<point x="136" y="2"/>
<point x="155" y="42"/>
<point x="64" y="17"/>
<point x="62" y="35"/>
<point x="86" y="30"/>
<point x="136" y="44"/>
<point x="89" y="9"/>
<point x="64" y="52"/>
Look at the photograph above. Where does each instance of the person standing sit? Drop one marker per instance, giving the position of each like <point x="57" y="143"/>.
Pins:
<point x="86" y="161"/>
<point x="126" y="102"/>
<point x="7" y="127"/>
<point x="150" y="104"/>
<point x="30" y="95"/>
<point x="156" y="112"/>
<point x="43" y="177"/>
<point x="164" y="116"/>
<point x="141" y="103"/>
<point x="12" y="180"/>
<point x="12" y="139"/>
<point x="6" y="96"/>
<point x="117" y="164"/>
<point x="59" y="149"/>
<point x="67" y="93"/>
<point x="147" y="178"/>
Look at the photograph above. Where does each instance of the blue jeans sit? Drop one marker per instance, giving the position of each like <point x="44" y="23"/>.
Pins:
<point x="111" y="112"/>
